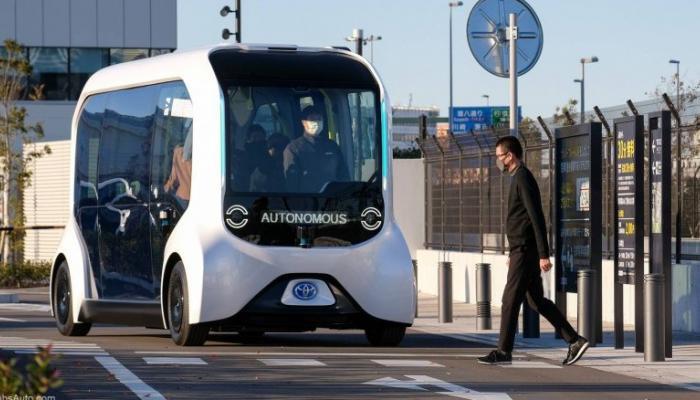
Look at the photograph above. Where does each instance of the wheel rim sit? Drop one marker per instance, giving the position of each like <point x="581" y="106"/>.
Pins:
<point x="177" y="301"/>
<point x="62" y="297"/>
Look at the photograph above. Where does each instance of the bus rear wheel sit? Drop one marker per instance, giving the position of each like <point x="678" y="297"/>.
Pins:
<point x="385" y="335"/>
<point x="182" y="332"/>
<point x="62" y="310"/>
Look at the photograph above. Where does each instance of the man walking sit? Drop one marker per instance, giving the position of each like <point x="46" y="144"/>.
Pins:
<point x="529" y="254"/>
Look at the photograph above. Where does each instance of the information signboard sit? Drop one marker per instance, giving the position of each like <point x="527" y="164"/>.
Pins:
<point x="629" y="198"/>
<point x="466" y="119"/>
<point x="628" y="220"/>
<point x="578" y="216"/>
<point x="660" y="210"/>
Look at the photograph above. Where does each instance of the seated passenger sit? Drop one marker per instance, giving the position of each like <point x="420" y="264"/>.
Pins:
<point x="247" y="160"/>
<point x="180" y="180"/>
<point x="269" y="175"/>
<point x="313" y="160"/>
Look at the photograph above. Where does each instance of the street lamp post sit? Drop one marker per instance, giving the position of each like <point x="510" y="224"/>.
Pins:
<point x="226" y="10"/>
<point x="679" y="185"/>
<point x="580" y="82"/>
<point x="452" y="5"/>
<point x="486" y="96"/>
<point x="585" y="61"/>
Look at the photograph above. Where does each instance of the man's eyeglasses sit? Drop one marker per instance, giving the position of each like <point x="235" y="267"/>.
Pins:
<point x="501" y="155"/>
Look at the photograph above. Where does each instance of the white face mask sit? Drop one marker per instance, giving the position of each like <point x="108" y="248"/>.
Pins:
<point x="313" y="128"/>
<point x="499" y="164"/>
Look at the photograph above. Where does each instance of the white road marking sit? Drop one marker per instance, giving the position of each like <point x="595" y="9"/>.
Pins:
<point x="407" y="363"/>
<point x="416" y="382"/>
<point x="25" y="307"/>
<point x="174" y="360"/>
<point x="29" y="346"/>
<point x="67" y="353"/>
<point x="529" y="364"/>
<point x="2" y="319"/>
<point x="291" y="362"/>
<point x="315" y="354"/>
<point x="128" y="379"/>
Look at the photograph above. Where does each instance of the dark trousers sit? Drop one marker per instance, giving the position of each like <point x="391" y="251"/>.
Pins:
<point x="524" y="281"/>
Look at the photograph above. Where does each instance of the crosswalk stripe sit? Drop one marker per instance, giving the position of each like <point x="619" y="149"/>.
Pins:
<point x="407" y="363"/>
<point x="25" y="307"/>
<point x="3" y="319"/>
<point x="174" y="360"/>
<point x="291" y="362"/>
<point x="529" y="364"/>
<point x="128" y="379"/>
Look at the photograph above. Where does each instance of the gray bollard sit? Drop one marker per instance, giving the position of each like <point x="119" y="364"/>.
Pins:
<point x="415" y="276"/>
<point x="483" y="296"/>
<point x="586" y="305"/>
<point x="444" y="291"/>
<point x="654" y="335"/>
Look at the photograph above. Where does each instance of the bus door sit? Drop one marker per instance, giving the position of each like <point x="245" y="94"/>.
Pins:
<point x="171" y="168"/>
<point x="123" y="182"/>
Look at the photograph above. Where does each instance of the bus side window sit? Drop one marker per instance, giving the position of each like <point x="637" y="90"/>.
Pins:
<point x="172" y="145"/>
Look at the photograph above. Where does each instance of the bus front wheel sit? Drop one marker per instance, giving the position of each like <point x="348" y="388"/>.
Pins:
<point x="62" y="309"/>
<point x="182" y="332"/>
<point x="385" y="335"/>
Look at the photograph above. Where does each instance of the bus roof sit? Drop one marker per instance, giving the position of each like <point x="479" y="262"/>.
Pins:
<point x="175" y="65"/>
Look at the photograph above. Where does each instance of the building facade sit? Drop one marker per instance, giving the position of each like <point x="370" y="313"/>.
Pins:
<point x="66" y="41"/>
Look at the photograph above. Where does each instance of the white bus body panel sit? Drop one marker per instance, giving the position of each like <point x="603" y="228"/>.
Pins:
<point x="224" y="272"/>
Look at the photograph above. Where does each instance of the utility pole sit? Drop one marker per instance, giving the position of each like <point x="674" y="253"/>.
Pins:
<point x="358" y="38"/>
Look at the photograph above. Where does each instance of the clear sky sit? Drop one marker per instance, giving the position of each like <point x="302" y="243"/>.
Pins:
<point x="634" y="39"/>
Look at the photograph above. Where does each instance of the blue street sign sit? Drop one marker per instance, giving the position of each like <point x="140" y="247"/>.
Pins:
<point x="465" y="119"/>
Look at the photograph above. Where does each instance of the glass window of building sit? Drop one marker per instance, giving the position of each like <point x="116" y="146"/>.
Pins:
<point x="50" y="68"/>
<point x="83" y="63"/>
<point x="157" y="52"/>
<point x="118" y="56"/>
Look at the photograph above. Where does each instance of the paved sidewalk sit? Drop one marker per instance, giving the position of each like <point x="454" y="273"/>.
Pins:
<point x="683" y="370"/>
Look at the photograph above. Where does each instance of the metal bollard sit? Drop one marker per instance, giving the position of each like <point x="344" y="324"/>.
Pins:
<point x="483" y="296"/>
<point x="586" y="306"/>
<point x="415" y="276"/>
<point x="654" y="327"/>
<point x="444" y="291"/>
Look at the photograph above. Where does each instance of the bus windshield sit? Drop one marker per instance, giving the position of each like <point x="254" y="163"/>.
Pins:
<point x="290" y="140"/>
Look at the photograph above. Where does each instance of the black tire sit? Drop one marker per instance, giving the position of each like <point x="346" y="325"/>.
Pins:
<point x="385" y="335"/>
<point x="182" y="332"/>
<point x="62" y="310"/>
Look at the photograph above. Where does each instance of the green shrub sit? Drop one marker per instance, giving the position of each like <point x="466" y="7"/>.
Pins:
<point x="27" y="274"/>
<point x="38" y="378"/>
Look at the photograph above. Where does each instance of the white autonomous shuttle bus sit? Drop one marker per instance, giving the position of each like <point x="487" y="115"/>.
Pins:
<point x="234" y="188"/>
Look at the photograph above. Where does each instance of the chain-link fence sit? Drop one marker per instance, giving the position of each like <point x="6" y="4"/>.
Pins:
<point x="466" y="195"/>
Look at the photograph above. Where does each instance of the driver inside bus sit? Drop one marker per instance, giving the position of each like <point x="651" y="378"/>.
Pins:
<point x="312" y="160"/>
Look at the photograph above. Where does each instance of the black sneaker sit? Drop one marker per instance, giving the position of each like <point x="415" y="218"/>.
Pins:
<point x="576" y="350"/>
<point x="496" y="357"/>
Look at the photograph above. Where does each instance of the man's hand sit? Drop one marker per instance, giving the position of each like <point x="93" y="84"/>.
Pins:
<point x="545" y="264"/>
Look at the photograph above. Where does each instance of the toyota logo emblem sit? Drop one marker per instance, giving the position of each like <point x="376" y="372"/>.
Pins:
<point x="305" y="291"/>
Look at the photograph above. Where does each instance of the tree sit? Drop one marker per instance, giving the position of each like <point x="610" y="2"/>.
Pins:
<point x="14" y="133"/>
<point x="689" y="92"/>
<point x="559" y="116"/>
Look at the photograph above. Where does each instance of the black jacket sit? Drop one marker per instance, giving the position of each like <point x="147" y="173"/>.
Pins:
<point x="525" y="225"/>
<point x="310" y="163"/>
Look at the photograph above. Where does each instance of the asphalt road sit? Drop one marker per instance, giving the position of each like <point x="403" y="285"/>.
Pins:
<point x="127" y="363"/>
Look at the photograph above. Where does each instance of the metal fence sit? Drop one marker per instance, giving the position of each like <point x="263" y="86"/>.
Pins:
<point x="466" y="195"/>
